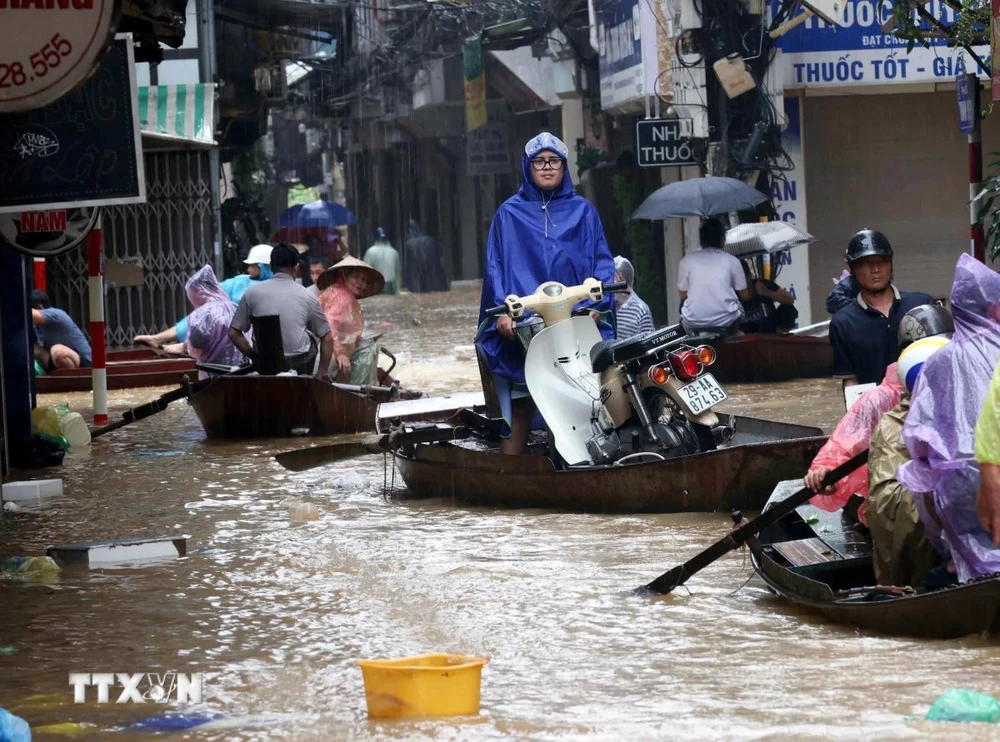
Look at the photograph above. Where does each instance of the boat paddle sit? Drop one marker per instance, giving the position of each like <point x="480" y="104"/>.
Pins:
<point x="162" y="402"/>
<point x="739" y="536"/>
<point x="144" y="410"/>
<point x="309" y="458"/>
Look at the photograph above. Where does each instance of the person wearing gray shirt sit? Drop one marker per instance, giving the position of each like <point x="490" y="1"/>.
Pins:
<point x="298" y="309"/>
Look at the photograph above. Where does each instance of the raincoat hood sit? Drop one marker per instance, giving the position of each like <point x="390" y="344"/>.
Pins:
<point x="203" y="287"/>
<point x="623" y="267"/>
<point x="545" y="142"/>
<point x="413" y="230"/>
<point x="537" y="237"/>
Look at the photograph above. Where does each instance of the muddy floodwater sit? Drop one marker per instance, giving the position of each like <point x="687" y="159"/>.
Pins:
<point x="275" y="613"/>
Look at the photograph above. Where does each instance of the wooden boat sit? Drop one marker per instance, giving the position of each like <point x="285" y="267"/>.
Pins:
<point x="473" y="471"/>
<point x="243" y="407"/>
<point x="127" y="369"/>
<point x="761" y="357"/>
<point x="819" y="562"/>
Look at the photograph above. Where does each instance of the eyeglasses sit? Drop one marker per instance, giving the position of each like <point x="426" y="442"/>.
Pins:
<point x="542" y="163"/>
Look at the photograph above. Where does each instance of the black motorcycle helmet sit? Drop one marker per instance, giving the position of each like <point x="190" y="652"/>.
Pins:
<point x="867" y="243"/>
<point x="923" y="322"/>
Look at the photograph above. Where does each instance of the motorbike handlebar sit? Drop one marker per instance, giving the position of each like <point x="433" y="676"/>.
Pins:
<point x="615" y="288"/>
<point x="497" y="311"/>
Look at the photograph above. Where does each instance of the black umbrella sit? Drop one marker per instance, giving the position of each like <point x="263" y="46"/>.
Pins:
<point x="699" y="197"/>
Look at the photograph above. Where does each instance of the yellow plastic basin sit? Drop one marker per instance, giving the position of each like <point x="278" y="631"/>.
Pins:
<point x="427" y="685"/>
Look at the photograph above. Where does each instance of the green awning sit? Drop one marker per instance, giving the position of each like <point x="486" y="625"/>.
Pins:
<point x="180" y="114"/>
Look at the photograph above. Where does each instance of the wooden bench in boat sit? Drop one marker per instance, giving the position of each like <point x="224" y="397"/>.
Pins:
<point x="834" y="542"/>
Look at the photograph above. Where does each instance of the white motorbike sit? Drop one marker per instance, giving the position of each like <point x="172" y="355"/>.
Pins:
<point x="619" y="401"/>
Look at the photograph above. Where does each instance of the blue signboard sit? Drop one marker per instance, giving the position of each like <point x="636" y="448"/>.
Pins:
<point x="967" y="91"/>
<point x="816" y="54"/>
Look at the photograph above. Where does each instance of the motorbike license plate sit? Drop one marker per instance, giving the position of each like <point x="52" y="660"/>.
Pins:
<point x="703" y="393"/>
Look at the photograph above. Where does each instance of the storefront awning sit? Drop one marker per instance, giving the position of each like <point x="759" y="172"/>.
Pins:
<point x="177" y="116"/>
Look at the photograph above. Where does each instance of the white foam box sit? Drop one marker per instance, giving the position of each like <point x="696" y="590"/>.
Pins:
<point x="35" y="489"/>
<point x="119" y="551"/>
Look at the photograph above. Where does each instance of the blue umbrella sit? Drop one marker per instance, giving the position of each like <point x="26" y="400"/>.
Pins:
<point x="317" y="214"/>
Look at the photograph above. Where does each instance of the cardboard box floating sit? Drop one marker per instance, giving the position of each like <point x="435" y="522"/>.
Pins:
<point x="118" y="552"/>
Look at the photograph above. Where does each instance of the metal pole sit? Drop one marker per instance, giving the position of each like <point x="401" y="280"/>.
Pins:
<point x="95" y="273"/>
<point x="39" y="274"/>
<point x="976" y="177"/>
<point x="206" y="47"/>
<point x="3" y="415"/>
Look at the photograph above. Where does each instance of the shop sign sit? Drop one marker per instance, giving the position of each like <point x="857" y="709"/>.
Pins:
<point x="968" y="104"/>
<point x="82" y="150"/>
<point x="45" y="234"/>
<point x="816" y="54"/>
<point x="49" y="47"/>
<point x="661" y="143"/>
<point x="487" y="148"/>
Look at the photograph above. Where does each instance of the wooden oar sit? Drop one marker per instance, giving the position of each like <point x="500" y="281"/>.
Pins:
<point x="145" y="410"/>
<point x="739" y="536"/>
<point x="310" y="458"/>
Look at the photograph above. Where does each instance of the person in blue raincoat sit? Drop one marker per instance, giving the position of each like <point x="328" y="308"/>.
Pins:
<point x="544" y="232"/>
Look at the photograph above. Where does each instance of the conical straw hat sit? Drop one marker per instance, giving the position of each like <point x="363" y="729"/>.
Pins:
<point x="376" y="281"/>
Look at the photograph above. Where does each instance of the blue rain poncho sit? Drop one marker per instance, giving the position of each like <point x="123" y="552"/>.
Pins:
<point x="537" y="237"/>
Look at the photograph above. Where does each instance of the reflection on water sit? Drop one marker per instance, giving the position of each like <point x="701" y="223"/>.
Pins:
<point x="275" y="612"/>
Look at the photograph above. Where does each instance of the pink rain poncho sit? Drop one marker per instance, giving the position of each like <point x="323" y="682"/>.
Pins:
<point x="343" y="312"/>
<point x="208" y="325"/>
<point x="940" y="428"/>
<point x="853" y="435"/>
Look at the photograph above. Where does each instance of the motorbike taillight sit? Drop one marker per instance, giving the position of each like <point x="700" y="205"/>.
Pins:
<point x="685" y="364"/>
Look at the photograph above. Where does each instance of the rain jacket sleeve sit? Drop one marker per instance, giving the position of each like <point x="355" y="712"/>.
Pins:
<point x="947" y="399"/>
<point x="988" y="425"/>
<point x="853" y="435"/>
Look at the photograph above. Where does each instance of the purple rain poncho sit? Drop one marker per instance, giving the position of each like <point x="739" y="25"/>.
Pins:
<point x="940" y="427"/>
<point x="208" y="325"/>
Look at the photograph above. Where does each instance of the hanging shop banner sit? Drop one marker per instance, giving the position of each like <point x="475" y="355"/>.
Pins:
<point x="82" y="150"/>
<point x="789" y="198"/>
<point x="49" y="47"/>
<point x="474" y="69"/>
<point x="995" y="46"/>
<point x="45" y="234"/>
<point x="816" y="54"/>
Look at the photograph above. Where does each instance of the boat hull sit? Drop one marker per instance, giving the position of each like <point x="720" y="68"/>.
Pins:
<point x="942" y="614"/>
<point x="820" y="563"/>
<point x="244" y="407"/>
<point x="757" y="358"/>
<point x="127" y="369"/>
<point x="762" y="453"/>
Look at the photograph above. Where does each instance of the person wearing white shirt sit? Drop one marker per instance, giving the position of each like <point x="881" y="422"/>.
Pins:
<point x="712" y="284"/>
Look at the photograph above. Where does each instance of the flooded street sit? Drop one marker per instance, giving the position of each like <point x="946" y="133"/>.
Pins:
<point x="275" y="613"/>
